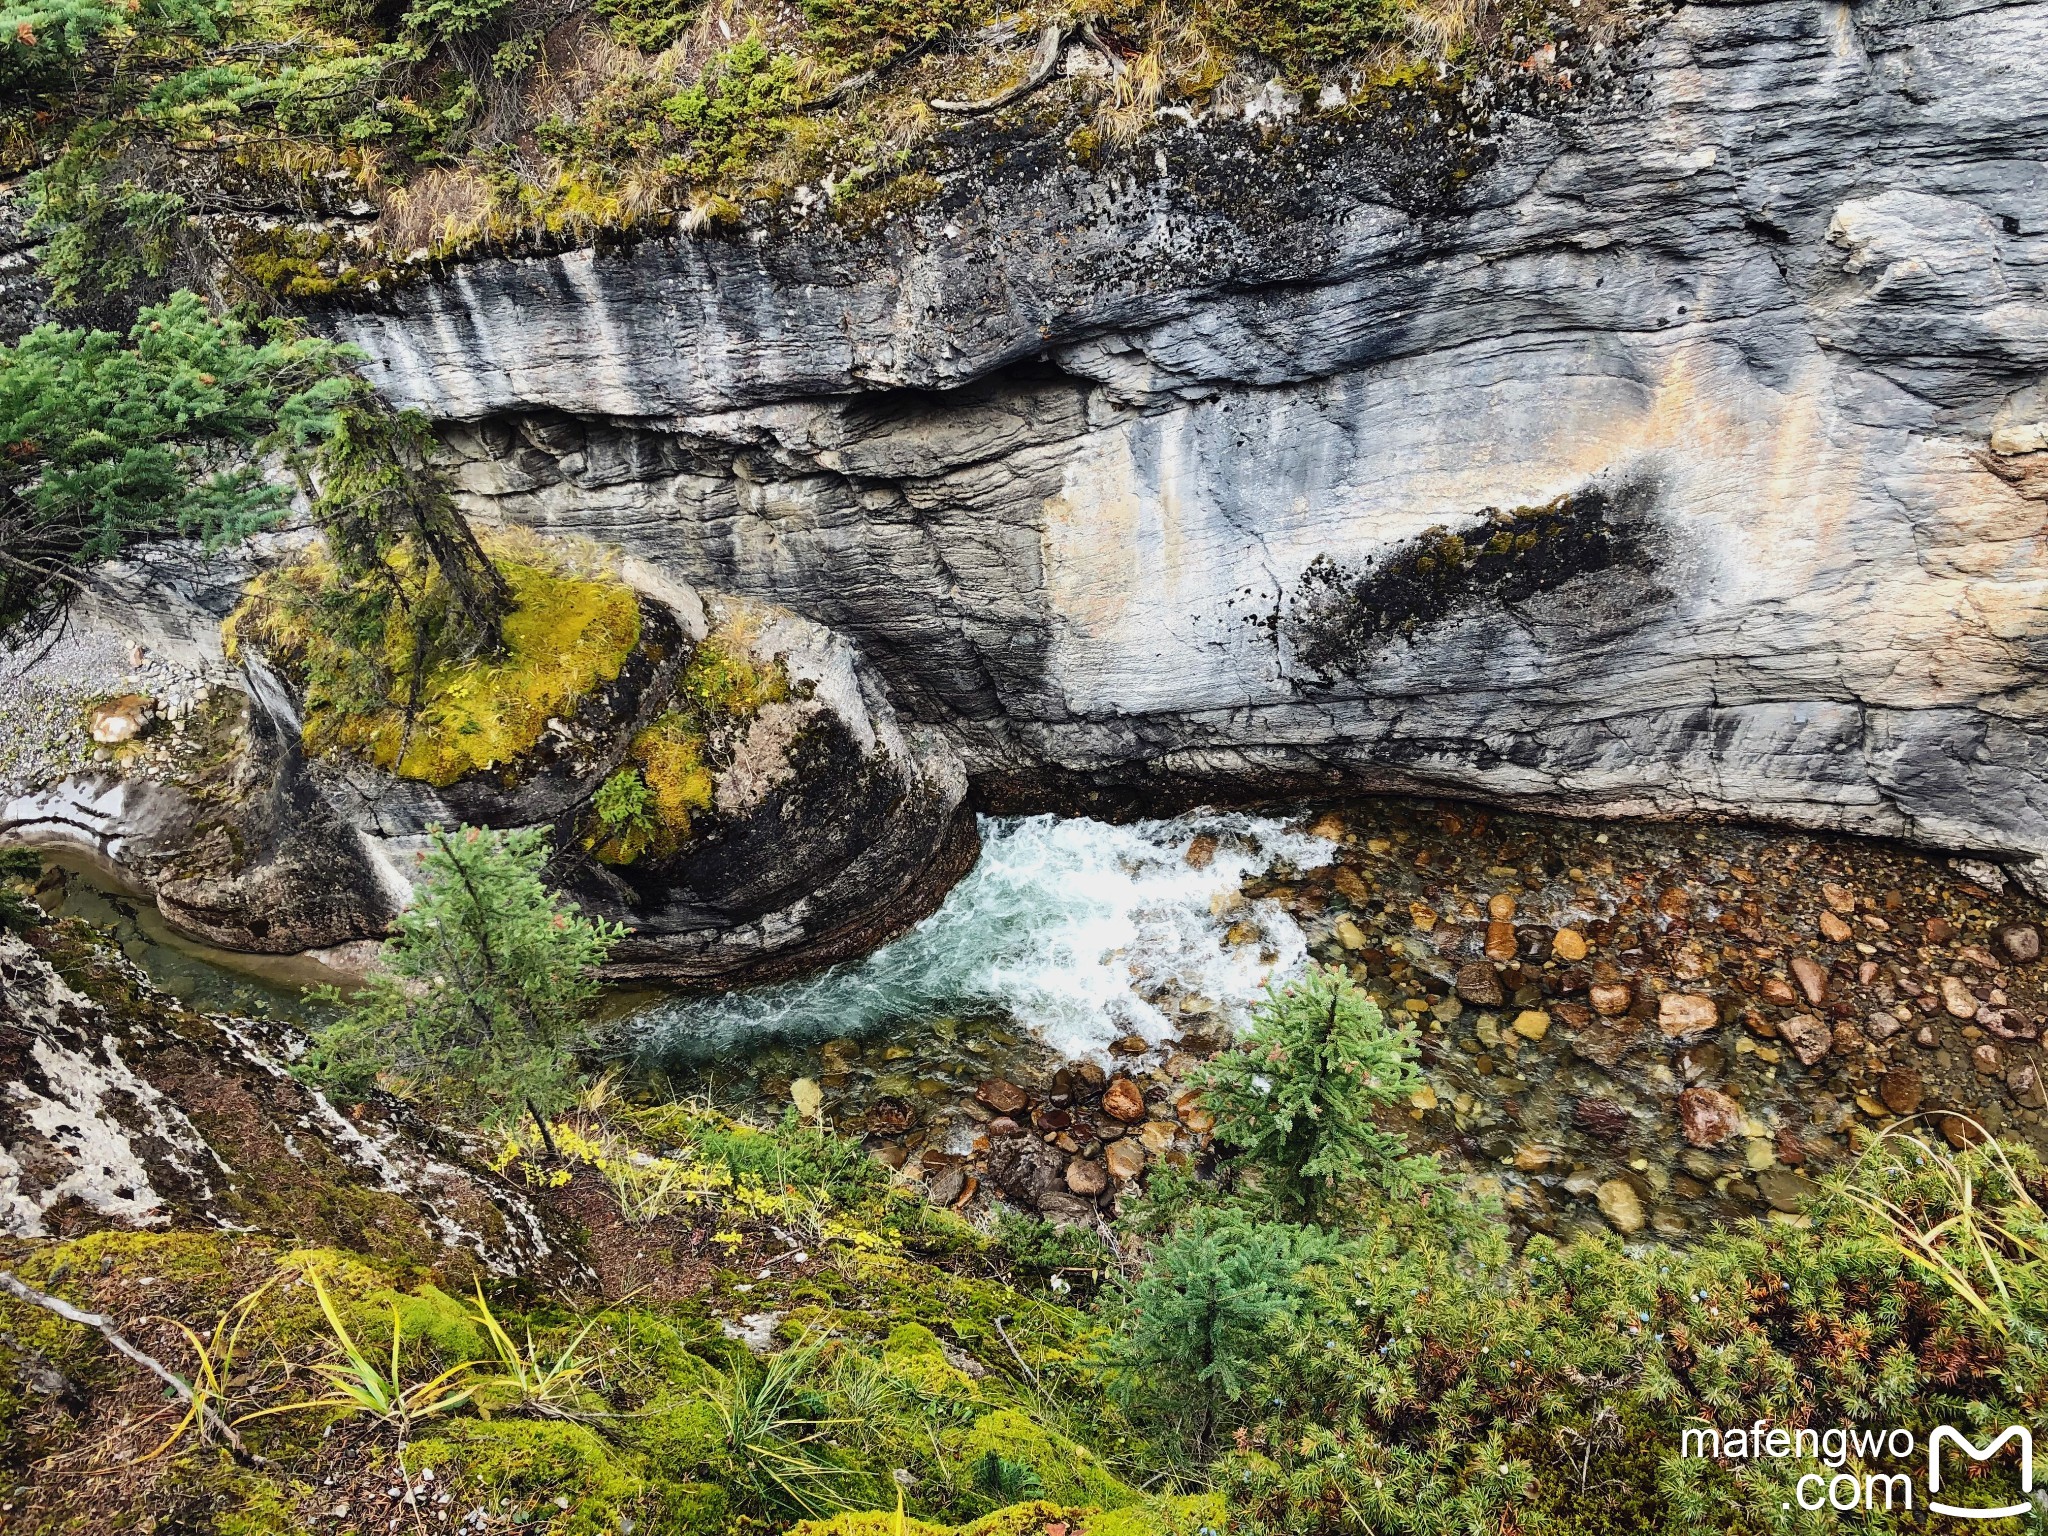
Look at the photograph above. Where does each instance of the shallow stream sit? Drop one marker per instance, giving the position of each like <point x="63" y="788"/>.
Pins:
<point x="1558" y="1070"/>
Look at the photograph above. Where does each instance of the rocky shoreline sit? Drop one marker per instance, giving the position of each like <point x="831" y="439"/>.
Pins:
<point x="1644" y="1027"/>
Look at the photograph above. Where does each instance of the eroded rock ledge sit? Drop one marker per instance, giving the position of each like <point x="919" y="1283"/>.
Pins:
<point x="1115" y="481"/>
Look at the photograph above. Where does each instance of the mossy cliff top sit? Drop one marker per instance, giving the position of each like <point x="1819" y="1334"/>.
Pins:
<point x="377" y="138"/>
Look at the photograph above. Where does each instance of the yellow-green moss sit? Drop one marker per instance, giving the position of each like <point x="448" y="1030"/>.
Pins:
<point x="568" y="633"/>
<point x="913" y="1356"/>
<point x="1013" y="1520"/>
<point x="668" y="760"/>
<point x="1068" y="1472"/>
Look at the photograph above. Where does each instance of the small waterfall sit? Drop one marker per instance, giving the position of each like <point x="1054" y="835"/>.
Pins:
<point x="1080" y="931"/>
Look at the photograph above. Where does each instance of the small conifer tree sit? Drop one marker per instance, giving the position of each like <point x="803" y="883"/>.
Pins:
<point x="484" y="991"/>
<point x="1196" y="1319"/>
<point x="1298" y="1095"/>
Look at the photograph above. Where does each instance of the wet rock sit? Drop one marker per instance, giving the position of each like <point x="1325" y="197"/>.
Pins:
<point x="1621" y="1205"/>
<point x="1202" y="851"/>
<point x="1958" y="999"/>
<point x="1051" y="1118"/>
<point x="1501" y="907"/>
<point x="1533" y="944"/>
<point x="1809" y="1038"/>
<point x="1833" y="929"/>
<point x="1002" y="1096"/>
<point x="1130" y="1045"/>
<point x="1602" y="1119"/>
<point x="1987" y="1060"/>
<point x="1500" y="941"/>
<point x="1812" y="979"/>
<point x="1882" y="1026"/>
<point x="121" y="719"/>
<point x="1840" y="898"/>
<point x="1534" y="1159"/>
<point x="2023" y="1082"/>
<point x="1610" y="999"/>
<point x="1606" y="1042"/>
<point x="1086" y="1177"/>
<point x="1125" y="1159"/>
<point x="1778" y="990"/>
<point x="1123" y="1100"/>
<point x="1003" y="1125"/>
<point x="1900" y="1090"/>
<point x="1531" y="1024"/>
<point x="1569" y="945"/>
<point x="1157" y="1137"/>
<point x="2021" y="942"/>
<point x="1686" y="1013"/>
<point x="1961" y="1132"/>
<point x="946" y="1186"/>
<point x="1707" y="1117"/>
<point x="1939" y="930"/>
<point x="1698" y="1062"/>
<point x="1478" y="983"/>
<point x="1349" y="934"/>
<point x="1785" y="1190"/>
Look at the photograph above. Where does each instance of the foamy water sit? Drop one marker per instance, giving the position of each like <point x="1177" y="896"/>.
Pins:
<point x="1078" y="930"/>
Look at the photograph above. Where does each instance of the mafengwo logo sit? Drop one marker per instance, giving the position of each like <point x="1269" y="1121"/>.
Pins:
<point x="1943" y="1436"/>
<point x="1886" y="1466"/>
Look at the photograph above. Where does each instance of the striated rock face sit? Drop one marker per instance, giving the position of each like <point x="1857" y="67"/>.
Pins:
<point x="123" y="1109"/>
<point x="1690" y="457"/>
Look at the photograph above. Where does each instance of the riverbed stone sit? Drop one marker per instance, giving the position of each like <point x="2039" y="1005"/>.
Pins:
<point x="1123" y="1100"/>
<point x="1785" y="1190"/>
<point x="1680" y="1014"/>
<point x="1621" y="1205"/>
<point x="1901" y="1091"/>
<point x="1531" y="1024"/>
<point x="2021" y="942"/>
<point x="1125" y="1159"/>
<point x="1002" y="1096"/>
<point x="1610" y="999"/>
<point x="2023" y="1082"/>
<point x="1840" y="898"/>
<point x="1834" y="929"/>
<point x="1707" y="1117"/>
<point x="122" y="719"/>
<point x="1478" y="983"/>
<point x="1157" y="1136"/>
<point x="1809" y="1038"/>
<point x="1086" y="1177"/>
<point x="1569" y="945"/>
<point x="1812" y="978"/>
<point x="1958" y="999"/>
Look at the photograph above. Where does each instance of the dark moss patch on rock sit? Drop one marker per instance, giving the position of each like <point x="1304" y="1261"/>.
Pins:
<point x="1342" y="614"/>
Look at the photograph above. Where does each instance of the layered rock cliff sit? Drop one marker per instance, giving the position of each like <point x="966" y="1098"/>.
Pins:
<point x="1676" y="444"/>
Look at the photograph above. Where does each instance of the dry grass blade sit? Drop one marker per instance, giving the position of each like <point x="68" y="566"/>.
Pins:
<point x="1974" y="1251"/>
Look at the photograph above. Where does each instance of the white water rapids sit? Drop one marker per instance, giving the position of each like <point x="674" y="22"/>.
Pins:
<point x="1078" y="930"/>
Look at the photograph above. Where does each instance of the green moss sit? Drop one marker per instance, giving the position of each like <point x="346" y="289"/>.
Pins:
<point x="1189" y="1516"/>
<point x="1067" y="1472"/>
<point x="913" y="1356"/>
<point x="650" y="806"/>
<point x="567" y="635"/>
<point x="533" y="1463"/>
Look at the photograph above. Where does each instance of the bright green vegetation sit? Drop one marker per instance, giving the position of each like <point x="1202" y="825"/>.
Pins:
<point x="1298" y="1094"/>
<point x="385" y="677"/>
<point x="1396" y="1367"/>
<point x="647" y="807"/>
<point x="483" y="993"/>
<point x="107" y="440"/>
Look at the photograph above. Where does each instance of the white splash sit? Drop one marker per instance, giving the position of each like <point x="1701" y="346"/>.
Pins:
<point x="1077" y="929"/>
